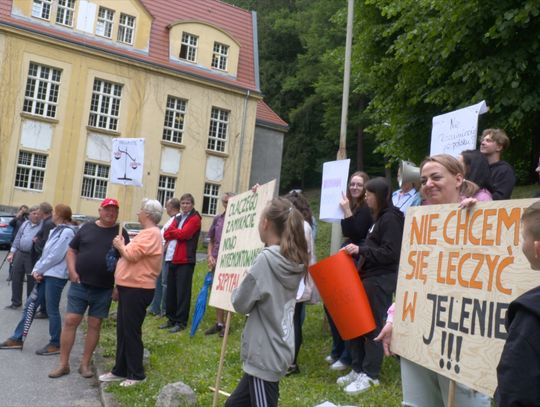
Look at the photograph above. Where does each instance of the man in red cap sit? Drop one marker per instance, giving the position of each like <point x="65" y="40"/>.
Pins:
<point x="91" y="285"/>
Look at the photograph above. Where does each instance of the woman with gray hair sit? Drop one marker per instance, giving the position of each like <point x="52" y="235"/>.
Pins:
<point x="135" y="279"/>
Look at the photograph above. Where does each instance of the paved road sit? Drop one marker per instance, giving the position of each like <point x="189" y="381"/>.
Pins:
<point x="23" y="375"/>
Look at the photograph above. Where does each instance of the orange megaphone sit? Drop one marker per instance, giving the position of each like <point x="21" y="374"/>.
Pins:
<point x="343" y="294"/>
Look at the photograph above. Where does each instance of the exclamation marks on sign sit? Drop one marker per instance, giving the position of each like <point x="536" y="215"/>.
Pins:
<point x="449" y="349"/>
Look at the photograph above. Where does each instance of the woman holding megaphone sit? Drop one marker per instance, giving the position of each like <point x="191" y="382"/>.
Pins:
<point x="443" y="182"/>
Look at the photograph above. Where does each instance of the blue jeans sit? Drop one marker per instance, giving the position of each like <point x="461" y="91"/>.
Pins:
<point x="53" y="292"/>
<point x="49" y="290"/>
<point x="160" y="294"/>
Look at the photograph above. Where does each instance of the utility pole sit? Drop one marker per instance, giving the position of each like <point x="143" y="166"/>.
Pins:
<point x="342" y="151"/>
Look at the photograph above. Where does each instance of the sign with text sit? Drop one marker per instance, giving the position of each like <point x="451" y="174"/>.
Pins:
<point x="240" y="243"/>
<point x="455" y="131"/>
<point x="459" y="270"/>
<point x="334" y="184"/>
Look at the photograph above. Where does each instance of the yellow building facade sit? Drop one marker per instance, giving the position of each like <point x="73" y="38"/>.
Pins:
<point x="76" y="74"/>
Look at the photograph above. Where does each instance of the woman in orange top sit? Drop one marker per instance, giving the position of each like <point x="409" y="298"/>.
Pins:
<point x="135" y="278"/>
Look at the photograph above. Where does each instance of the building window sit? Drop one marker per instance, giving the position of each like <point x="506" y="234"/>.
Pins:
<point x="165" y="189"/>
<point x="219" y="123"/>
<point x="104" y="24"/>
<point x="219" y="58"/>
<point x="173" y="127"/>
<point x="95" y="179"/>
<point x="126" y="28"/>
<point x="65" y="11"/>
<point x="41" y="93"/>
<point x="41" y="9"/>
<point x="30" y="170"/>
<point x="105" y="105"/>
<point x="188" y="47"/>
<point x="210" y="199"/>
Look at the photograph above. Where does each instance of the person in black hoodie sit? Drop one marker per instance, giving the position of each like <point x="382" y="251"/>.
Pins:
<point x="354" y="226"/>
<point x="492" y="144"/>
<point x="518" y="372"/>
<point x="378" y="265"/>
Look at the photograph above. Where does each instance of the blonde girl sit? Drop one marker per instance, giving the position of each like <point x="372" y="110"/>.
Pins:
<point x="268" y="295"/>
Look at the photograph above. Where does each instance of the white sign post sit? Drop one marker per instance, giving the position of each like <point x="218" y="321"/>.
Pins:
<point x="334" y="184"/>
<point x="127" y="161"/>
<point x="455" y="131"/>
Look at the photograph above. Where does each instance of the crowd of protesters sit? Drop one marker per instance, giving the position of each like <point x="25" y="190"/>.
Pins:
<point x="153" y="274"/>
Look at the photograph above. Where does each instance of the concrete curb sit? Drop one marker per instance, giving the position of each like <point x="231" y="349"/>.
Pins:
<point x="107" y="399"/>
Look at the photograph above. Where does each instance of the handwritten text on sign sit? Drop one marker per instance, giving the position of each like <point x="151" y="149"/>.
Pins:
<point x="240" y="243"/>
<point x="459" y="270"/>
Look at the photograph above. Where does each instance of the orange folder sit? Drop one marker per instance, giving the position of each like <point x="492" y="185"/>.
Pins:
<point x="343" y="295"/>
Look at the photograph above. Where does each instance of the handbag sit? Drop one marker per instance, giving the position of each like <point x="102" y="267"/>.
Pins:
<point x="111" y="258"/>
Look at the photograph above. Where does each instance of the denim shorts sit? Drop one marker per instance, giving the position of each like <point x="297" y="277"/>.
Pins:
<point x="96" y="299"/>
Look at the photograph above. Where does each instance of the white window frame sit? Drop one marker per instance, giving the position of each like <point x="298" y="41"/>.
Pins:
<point x="30" y="173"/>
<point x="105" y="22"/>
<point x="220" y="56"/>
<point x="105" y="105"/>
<point x="219" y="128"/>
<point x="210" y="198"/>
<point x="65" y="12"/>
<point x="166" y="188"/>
<point x="42" y="89"/>
<point x="189" y="42"/>
<point x="173" y="124"/>
<point x="126" y="29"/>
<point x="42" y="9"/>
<point x="95" y="180"/>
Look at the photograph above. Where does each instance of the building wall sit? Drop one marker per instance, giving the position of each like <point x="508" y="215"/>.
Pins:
<point x="267" y="155"/>
<point x="67" y="140"/>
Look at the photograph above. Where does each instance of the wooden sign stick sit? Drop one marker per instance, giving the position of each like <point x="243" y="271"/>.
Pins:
<point x="452" y="393"/>
<point x="221" y="359"/>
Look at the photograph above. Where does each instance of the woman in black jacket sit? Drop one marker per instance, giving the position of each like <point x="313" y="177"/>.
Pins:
<point x="354" y="227"/>
<point x="378" y="265"/>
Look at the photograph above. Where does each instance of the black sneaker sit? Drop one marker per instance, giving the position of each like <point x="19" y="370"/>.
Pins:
<point x="12" y="306"/>
<point x="48" y="349"/>
<point x="293" y="369"/>
<point x="214" y="329"/>
<point x="166" y="325"/>
<point x="41" y="315"/>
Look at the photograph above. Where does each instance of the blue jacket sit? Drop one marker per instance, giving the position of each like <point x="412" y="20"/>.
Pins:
<point x="52" y="262"/>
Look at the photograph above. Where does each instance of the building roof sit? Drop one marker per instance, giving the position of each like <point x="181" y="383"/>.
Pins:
<point x="239" y="23"/>
<point x="268" y="118"/>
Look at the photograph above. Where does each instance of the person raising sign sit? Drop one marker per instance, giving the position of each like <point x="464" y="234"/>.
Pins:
<point x="442" y="179"/>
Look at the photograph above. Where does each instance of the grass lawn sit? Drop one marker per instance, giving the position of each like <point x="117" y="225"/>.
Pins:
<point x="194" y="361"/>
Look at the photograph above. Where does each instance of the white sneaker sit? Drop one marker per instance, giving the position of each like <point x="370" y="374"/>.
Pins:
<point x="361" y="384"/>
<point x="110" y="377"/>
<point x="348" y="378"/>
<point x="329" y="359"/>
<point x="338" y="365"/>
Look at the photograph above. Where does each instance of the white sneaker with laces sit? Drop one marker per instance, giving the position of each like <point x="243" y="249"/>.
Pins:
<point x="348" y="378"/>
<point x="361" y="384"/>
<point x="338" y="365"/>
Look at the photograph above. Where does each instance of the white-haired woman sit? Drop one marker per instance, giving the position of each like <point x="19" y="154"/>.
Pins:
<point x="135" y="278"/>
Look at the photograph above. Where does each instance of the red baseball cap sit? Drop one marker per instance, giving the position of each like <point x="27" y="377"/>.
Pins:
<point x="109" y="202"/>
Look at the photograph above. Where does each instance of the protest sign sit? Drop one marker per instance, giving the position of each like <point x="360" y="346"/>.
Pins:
<point x="455" y="131"/>
<point x="459" y="270"/>
<point x="334" y="184"/>
<point x="240" y="243"/>
<point x="127" y="161"/>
